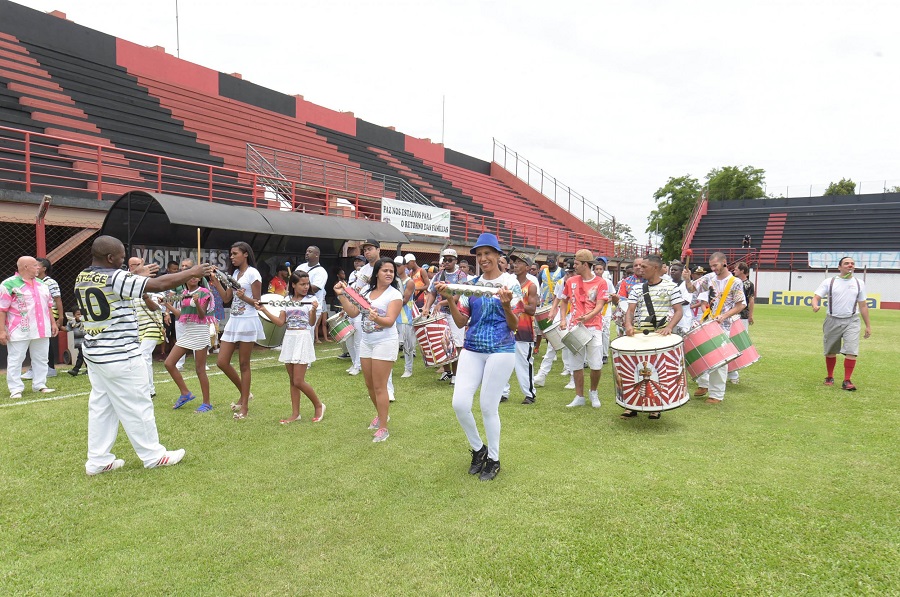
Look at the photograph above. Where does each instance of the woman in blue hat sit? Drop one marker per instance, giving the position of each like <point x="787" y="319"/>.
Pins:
<point x="490" y="352"/>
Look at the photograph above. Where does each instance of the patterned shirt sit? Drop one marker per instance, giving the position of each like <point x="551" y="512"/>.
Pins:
<point x="409" y="311"/>
<point x="278" y="285"/>
<point x="238" y="307"/>
<point x="525" y="331"/>
<point x="104" y="297"/>
<point x="191" y="314"/>
<point x="549" y="281"/>
<point x="488" y="331"/>
<point x="27" y="306"/>
<point x="457" y="277"/>
<point x="297" y="317"/>
<point x="710" y="282"/>
<point x="53" y="286"/>
<point x="626" y="284"/>
<point x="664" y="296"/>
<point x="584" y="296"/>
<point x="149" y="322"/>
<point x="749" y="293"/>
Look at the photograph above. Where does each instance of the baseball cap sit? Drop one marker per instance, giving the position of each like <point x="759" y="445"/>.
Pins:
<point x="602" y="260"/>
<point x="698" y="269"/>
<point x="398" y="260"/>
<point x="524" y="258"/>
<point x="409" y="257"/>
<point x="370" y="241"/>
<point x="584" y="255"/>
<point x="449" y="253"/>
<point x="359" y="258"/>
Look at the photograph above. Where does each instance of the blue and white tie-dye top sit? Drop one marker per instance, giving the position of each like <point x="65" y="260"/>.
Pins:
<point x="488" y="331"/>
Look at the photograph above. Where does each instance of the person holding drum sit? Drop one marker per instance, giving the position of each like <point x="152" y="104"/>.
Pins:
<point x="727" y="302"/>
<point x="194" y="313"/>
<point x="380" y="340"/>
<point x="636" y="277"/>
<point x="549" y="277"/>
<point x="407" y="314"/>
<point x="490" y="352"/>
<point x="742" y="273"/>
<point x="297" y="349"/>
<point x="244" y="327"/>
<point x="654" y="306"/>
<point x="587" y="294"/>
<point x="449" y="274"/>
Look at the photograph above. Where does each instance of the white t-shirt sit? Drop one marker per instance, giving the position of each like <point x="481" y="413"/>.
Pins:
<point x="372" y="332"/>
<point x="363" y="275"/>
<point x="318" y="277"/>
<point x="845" y="294"/>
<point x="238" y="307"/>
<point x="687" y="315"/>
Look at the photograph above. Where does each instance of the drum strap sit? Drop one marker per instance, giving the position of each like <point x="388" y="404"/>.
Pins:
<point x="650" y="310"/>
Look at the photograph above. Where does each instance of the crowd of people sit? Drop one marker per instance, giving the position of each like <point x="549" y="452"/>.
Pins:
<point x="122" y="315"/>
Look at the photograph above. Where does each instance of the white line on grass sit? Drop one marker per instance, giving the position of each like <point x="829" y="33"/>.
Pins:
<point x="186" y="377"/>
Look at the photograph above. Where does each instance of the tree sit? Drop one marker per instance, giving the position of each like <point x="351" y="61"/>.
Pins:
<point x="622" y="234"/>
<point x="731" y="182"/>
<point x="675" y="203"/>
<point x="844" y="187"/>
<point x="895" y="189"/>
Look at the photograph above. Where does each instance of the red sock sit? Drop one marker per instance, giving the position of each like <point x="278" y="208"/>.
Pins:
<point x="849" y="364"/>
<point x="830" y="362"/>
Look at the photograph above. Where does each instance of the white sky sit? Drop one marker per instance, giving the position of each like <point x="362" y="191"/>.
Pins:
<point x="610" y="97"/>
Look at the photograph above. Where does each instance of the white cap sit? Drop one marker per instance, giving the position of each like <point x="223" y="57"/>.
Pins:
<point x="409" y="257"/>
<point x="448" y="253"/>
<point x="399" y="260"/>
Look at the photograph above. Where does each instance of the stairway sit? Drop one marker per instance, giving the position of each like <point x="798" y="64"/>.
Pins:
<point x="771" y="242"/>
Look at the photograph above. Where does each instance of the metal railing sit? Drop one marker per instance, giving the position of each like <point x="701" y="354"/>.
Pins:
<point x="548" y="186"/>
<point x="307" y="170"/>
<point x="40" y="163"/>
<point x="699" y="211"/>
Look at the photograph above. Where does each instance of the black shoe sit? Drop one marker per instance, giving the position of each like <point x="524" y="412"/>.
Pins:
<point x="445" y="376"/>
<point x="504" y="398"/>
<point x="528" y="401"/>
<point x="478" y="457"/>
<point x="346" y="355"/>
<point x="490" y="469"/>
<point x="72" y="372"/>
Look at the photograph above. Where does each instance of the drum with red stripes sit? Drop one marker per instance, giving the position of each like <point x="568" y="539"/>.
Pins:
<point x="740" y="337"/>
<point x="435" y="339"/>
<point x="649" y="372"/>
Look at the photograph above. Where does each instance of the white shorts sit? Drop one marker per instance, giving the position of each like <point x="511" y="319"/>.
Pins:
<point x="457" y="333"/>
<point x="381" y="351"/>
<point x="592" y="354"/>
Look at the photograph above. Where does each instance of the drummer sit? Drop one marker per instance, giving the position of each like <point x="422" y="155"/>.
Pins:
<point x="588" y="295"/>
<point x="727" y="302"/>
<point x="653" y="306"/>
<point x="449" y="274"/>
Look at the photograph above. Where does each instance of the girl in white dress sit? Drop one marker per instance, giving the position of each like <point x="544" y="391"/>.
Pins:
<point x="380" y="340"/>
<point x="244" y="327"/>
<point x="194" y="312"/>
<point x="297" y="350"/>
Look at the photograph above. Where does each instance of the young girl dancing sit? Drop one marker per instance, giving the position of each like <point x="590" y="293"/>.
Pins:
<point x="380" y="340"/>
<point x="194" y="311"/>
<point x="297" y="350"/>
<point x="244" y="327"/>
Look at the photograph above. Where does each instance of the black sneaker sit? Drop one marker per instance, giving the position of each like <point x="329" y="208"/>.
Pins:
<point x="445" y="376"/>
<point x="528" y="401"/>
<point x="478" y="458"/>
<point x="490" y="469"/>
<point x="504" y="398"/>
<point x="73" y="372"/>
<point x="346" y="355"/>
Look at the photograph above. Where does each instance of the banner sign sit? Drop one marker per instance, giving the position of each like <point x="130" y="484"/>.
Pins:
<point x="863" y="259"/>
<point x="161" y="256"/>
<point x="787" y="298"/>
<point x="415" y="218"/>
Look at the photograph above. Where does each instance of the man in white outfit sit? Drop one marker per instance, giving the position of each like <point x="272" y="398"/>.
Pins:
<point x="318" y="278"/>
<point x="372" y="251"/>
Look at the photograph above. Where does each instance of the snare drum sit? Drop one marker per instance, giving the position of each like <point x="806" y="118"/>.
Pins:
<point x="340" y="327"/>
<point x="577" y="338"/>
<point x="740" y="337"/>
<point x="555" y="336"/>
<point x="542" y="318"/>
<point x="436" y="340"/>
<point x="649" y="372"/>
<point x="274" y="334"/>
<point x="707" y="347"/>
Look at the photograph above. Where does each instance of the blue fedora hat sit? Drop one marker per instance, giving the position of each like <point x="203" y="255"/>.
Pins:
<point x="487" y="240"/>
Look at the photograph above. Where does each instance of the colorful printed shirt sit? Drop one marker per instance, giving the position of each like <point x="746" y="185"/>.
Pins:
<point x="409" y="311"/>
<point x="488" y="331"/>
<point x="191" y="314"/>
<point x="525" y="331"/>
<point x="584" y="296"/>
<point x="104" y="297"/>
<point x="457" y="277"/>
<point x="149" y="322"/>
<point x="710" y="282"/>
<point x="626" y="284"/>
<point x="549" y="281"/>
<point x="238" y="307"/>
<point x="28" y="308"/>
<point x="749" y="293"/>
<point x="278" y="285"/>
<point x="297" y="316"/>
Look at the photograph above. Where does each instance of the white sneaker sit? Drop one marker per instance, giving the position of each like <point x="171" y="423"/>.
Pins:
<point x="115" y="464"/>
<point x="207" y="367"/>
<point x="565" y="372"/>
<point x="570" y="385"/>
<point x="16" y="396"/>
<point x="353" y="371"/>
<point x="169" y="459"/>
<point x="539" y="381"/>
<point x="46" y="390"/>
<point x="452" y="380"/>
<point x="579" y="401"/>
<point x="595" y="400"/>
<point x="407" y="374"/>
<point x="28" y="374"/>
<point x="391" y="398"/>
<point x="51" y="372"/>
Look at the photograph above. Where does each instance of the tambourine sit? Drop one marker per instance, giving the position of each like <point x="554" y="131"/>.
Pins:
<point x="173" y="298"/>
<point x="287" y="303"/>
<point x="468" y="290"/>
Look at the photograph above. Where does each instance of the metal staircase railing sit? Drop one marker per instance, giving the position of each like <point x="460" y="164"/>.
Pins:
<point x="315" y="172"/>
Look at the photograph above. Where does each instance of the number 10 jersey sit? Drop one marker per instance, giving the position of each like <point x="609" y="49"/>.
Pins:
<point x="105" y="296"/>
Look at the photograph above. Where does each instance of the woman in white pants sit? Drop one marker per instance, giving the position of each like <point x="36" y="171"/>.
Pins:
<point x="489" y="353"/>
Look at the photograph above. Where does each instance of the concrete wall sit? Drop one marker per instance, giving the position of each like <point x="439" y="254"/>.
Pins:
<point x="887" y="285"/>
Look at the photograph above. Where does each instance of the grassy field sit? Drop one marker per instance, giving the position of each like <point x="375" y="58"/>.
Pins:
<point x="787" y="487"/>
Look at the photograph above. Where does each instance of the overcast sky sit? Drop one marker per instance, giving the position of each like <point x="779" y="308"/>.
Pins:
<point x="612" y="98"/>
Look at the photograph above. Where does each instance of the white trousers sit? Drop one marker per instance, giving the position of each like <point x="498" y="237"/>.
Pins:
<point x="524" y="369"/>
<point x="547" y="361"/>
<point x="408" y="339"/>
<point x="717" y="379"/>
<point x="355" y="339"/>
<point x="490" y="372"/>
<point x="607" y="322"/>
<point x="734" y="375"/>
<point x="39" y="348"/>
<point x="120" y="393"/>
<point x="147" y="348"/>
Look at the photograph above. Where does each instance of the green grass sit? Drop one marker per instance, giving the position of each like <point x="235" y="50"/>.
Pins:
<point x="787" y="487"/>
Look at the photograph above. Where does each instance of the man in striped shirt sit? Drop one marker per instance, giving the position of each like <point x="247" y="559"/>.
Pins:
<point x="150" y="324"/>
<point x="120" y="390"/>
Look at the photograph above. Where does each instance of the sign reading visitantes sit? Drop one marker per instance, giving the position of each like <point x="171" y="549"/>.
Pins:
<point x="415" y="218"/>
